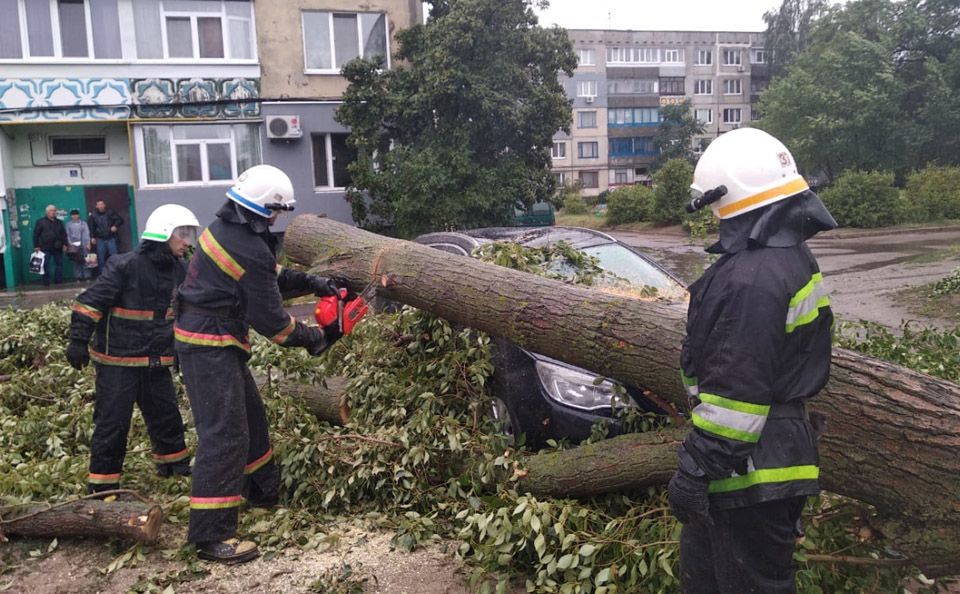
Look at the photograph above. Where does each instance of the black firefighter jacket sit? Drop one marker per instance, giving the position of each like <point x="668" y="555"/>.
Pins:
<point x="234" y="283"/>
<point x="758" y="345"/>
<point x="129" y="308"/>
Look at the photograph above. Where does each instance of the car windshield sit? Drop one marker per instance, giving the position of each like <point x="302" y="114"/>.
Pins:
<point x="630" y="266"/>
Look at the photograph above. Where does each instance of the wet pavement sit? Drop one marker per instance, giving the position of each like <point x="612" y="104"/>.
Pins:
<point x="864" y="270"/>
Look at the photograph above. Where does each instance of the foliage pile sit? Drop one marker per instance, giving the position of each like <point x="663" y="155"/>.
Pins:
<point x="419" y="456"/>
<point x="948" y="285"/>
<point x="928" y="350"/>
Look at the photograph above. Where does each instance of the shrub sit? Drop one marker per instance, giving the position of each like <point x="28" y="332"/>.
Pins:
<point x="701" y="224"/>
<point x="934" y="192"/>
<point x="671" y="186"/>
<point x="864" y="199"/>
<point x="629" y="204"/>
<point x="948" y="285"/>
<point x="575" y="205"/>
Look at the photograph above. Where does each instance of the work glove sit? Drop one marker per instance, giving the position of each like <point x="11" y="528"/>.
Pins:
<point x="319" y="342"/>
<point x="687" y="492"/>
<point x="329" y="286"/>
<point x="78" y="354"/>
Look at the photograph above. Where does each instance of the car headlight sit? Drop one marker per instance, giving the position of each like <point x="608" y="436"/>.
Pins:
<point x="578" y="389"/>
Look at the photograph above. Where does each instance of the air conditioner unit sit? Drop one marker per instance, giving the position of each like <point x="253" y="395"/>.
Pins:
<point x="740" y="68"/>
<point x="588" y="98"/>
<point x="286" y="126"/>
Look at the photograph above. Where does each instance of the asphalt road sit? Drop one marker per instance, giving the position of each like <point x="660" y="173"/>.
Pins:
<point x="864" y="270"/>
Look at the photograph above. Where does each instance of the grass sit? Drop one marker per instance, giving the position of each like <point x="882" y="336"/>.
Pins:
<point x="591" y="221"/>
<point x="921" y="301"/>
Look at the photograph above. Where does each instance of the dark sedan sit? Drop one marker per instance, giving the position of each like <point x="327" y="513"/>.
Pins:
<point x="540" y="397"/>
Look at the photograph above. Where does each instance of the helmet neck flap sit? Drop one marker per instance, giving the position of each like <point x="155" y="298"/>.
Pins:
<point x="782" y="224"/>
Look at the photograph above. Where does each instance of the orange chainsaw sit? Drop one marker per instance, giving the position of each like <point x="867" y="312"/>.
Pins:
<point x="331" y="308"/>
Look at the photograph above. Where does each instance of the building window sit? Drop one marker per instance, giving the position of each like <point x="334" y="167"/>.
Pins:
<point x="590" y="179"/>
<point x="731" y="115"/>
<point x="703" y="87"/>
<point x="633" y="55"/>
<point x="633" y="116"/>
<point x="587" y="119"/>
<point x="196" y="154"/>
<point x="71" y="29"/>
<point x="77" y="148"/>
<point x="207" y="30"/>
<point x="731" y="57"/>
<point x="632" y="87"/>
<point x="588" y="150"/>
<point x="559" y="150"/>
<point x="673" y="56"/>
<point x="621" y="176"/>
<point x="704" y="57"/>
<point x="704" y="116"/>
<point x="585" y="57"/>
<point x="587" y="88"/>
<point x="758" y="56"/>
<point x="731" y="86"/>
<point x="331" y="39"/>
<point x="758" y="85"/>
<point x="641" y="146"/>
<point x="754" y="113"/>
<point x="331" y="155"/>
<point x="673" y="85"/>
<point x="561" y="178"/>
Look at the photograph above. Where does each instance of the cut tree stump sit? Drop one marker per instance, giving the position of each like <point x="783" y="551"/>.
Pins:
<point x="892" y="434"/>
<point x="328" y="403"/>
<point x="93" y="518"/>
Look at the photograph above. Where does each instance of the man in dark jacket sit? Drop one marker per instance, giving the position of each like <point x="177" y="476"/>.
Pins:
<point x="758" y="347"/>
<point x="234" y="283"/>
<point x="128" y="310"/>
<point x="104" y="226"/>
<point x="50" y="237"/>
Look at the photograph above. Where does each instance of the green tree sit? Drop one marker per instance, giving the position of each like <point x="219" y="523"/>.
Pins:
<point x="933" y="193"/>
<point x="676" y="132"/>
<point x="671" y="188"/>
<point x="837" y="107"/>
<point x="789" y="30"/>
<point x="458" y="132"/>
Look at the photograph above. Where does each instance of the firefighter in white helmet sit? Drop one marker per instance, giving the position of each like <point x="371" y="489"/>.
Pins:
<point x="234" y="283"/>
<point x="127" y="311"/>
<point x="757" y="349"/>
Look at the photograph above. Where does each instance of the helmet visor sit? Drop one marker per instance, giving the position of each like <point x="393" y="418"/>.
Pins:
<point x="187" y="234"/>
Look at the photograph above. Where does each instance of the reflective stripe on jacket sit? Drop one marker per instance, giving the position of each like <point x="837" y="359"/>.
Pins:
<point x="758" y="344"/>
<point x="127" y="309"/>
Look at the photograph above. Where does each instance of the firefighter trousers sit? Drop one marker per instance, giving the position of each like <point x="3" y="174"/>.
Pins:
<point x="118" y="388"/>
<point x="234" y="457"/>
<point x="748" y="550"/>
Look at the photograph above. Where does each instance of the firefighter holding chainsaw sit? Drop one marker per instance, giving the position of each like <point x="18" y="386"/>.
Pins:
<point x="127" y="312"/>
<point x="757" y="348"/>
<point x="234" y="283"/>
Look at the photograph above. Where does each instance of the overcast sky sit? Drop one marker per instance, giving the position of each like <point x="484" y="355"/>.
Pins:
<point x="659" y="15"/>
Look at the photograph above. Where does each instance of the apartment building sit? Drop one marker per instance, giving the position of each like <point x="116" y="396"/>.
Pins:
<point x="303" y="45"/>
<point x="624" y="78"/>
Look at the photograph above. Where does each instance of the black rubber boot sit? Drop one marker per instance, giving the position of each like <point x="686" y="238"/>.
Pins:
<point x="174" y="469"/>
<point x="229" y="552"/>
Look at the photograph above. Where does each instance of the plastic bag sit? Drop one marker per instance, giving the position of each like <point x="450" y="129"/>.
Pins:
<point x="36" y="263"/>
<point x="91" y="260"/>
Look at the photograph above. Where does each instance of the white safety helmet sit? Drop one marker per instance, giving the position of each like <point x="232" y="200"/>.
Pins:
<point x="169" y="219"/>
<point x="263" y="189"/>
<point x="755" y="168"/>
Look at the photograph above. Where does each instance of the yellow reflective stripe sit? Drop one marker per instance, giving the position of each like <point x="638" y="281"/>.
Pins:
<point x="737" y="405"/>
<point x="724" y="431"/>
<point x="103" y="479"/>
<point x="765" y="475"/>
<point x="215" y="502"/>
<point x="174" y="457"/>
<point x="788" y="189"/>
<point x="281" y="337"/>
<point x="214" y="340"/>
<point x="105" y="359"/>
<point x="258" y="463"/>
<point x="805" y="305"/>
<point x="806" y="289"/>
<point x="131" y="314"/>
<point x="224" y="261"/>
<point x="86" y="310"/>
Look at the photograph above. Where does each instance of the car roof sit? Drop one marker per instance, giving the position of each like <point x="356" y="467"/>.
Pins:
<point x="578" y="237"/>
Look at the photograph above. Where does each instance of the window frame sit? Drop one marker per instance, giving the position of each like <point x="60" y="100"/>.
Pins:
<point x="328" y="149"/>
<point x="733" y="52"/>
<point x="195" y="36"/>
<point x="104" y="156"/>
<point x="696" y="86"/>
<point x="589" y="84"/>
<point x="587" y="143"/>
<point x="580" y="115"/>
<point x="141" y="157"/>
<point x="586" y="51"/>
<point x="761" y="53"/>
<point x="700" y="53"/>
<point x="333" y="70"/>
<point x="596" y="176"/>
<point x="739" y="112"/>
<point x="676" y="52"/>
<point x="729" y="82"/>
<point x="673" y="86"/>
<point x="55" y="33"/>
<point x="558" y="154"/>
<point x="709" y="111"/>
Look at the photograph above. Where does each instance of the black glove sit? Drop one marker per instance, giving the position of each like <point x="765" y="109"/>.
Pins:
<point x="321" y="341"/>
<point x="78" y="354"/>
<point x="687" y="492"/>
<point x="330" y="286"/>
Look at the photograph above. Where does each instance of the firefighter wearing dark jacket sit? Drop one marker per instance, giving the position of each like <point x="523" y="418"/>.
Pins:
<point x="234" y="283"/>
<point x="757" y="348"/>
<point x="127" y="310"/>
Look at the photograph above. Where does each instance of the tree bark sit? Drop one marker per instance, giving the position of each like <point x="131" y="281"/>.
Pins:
<point x="125" y="520"/>
<point x="892" y="435"/>
<point x="328" y="403"/>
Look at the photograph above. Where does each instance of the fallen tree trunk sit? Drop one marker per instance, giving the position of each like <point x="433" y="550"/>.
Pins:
<point x="892" y="434"/>
<point x="328" y="403"/>
<point x="95" y="518"/>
